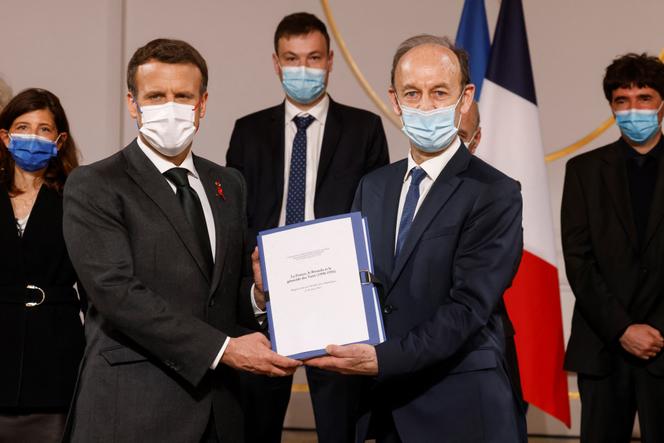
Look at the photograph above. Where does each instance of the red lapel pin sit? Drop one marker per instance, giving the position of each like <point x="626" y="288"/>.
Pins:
<point x="220" y="192"/>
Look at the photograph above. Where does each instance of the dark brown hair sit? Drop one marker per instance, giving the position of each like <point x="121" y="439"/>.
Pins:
<point x="634" y="70"/>
<point x="427" y="39"/>
<point x="300" y="23"/>
<point x="166" y="51"/>
<point x="59" y="167"/>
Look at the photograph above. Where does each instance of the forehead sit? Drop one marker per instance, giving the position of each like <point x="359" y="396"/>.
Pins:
<point x="634" y="91"/>
<point x="430" y="64"/>
<point x="156" y="75"/>
<point x="303" y="43"/>
<point x="38" y="117"/>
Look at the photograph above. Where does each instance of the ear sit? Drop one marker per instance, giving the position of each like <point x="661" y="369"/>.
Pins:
<point x="203" y="105"/>
<point x="275" y="62"/>
<point x="330" y="61"/>
<point x="4" y="136"/>
<point x="393" y="99"/>
<point x="61" y="141"/>
<point x="132" y="107"/>
<point x="467" y="99"/>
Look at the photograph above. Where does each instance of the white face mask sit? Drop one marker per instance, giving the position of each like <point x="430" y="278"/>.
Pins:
<point x="169" y="128"/>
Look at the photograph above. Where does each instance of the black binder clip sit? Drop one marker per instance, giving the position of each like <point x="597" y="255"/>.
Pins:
<point x="367" y="277"/>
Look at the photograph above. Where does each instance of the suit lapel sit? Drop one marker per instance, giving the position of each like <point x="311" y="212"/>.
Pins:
<point x="331" y="134"/>
<point x="614" y="174"/>
<point x="208" y="179"/>
<point x="276" y="142"/>
<point x="440" y="192"/>
<point x="386" y="222"/>
<point x="150" y="181"/>
<point x="657" y="205"/>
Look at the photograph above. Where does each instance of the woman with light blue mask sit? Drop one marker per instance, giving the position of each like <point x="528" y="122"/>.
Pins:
<point x="42" y="334"/>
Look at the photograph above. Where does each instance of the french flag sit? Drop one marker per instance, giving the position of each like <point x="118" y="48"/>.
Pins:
<point x="511" y="142"/>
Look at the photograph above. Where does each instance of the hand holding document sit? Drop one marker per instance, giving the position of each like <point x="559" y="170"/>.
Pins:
<point x="313" y="274"/>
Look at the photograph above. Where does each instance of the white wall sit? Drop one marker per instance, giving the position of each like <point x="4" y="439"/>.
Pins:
<point x="79" y="50"/>
<point x="71" y="48"/>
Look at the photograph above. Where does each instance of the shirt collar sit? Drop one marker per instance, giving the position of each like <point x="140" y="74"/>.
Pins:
<point x="434" y="166"/>
<point x="319" y="112"/>
<point x="164" y="165"/>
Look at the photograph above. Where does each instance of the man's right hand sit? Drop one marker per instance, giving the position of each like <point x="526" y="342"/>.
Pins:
<point x="642" y="340"/>
<point x="252" y="353"/>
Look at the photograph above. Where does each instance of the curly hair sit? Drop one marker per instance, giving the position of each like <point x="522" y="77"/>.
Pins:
<point x="634" y="70"/>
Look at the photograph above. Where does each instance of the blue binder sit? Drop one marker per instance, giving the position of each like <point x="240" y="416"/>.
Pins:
<point x="372" y="309"/>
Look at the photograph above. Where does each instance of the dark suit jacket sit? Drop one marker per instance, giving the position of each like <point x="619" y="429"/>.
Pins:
<point x="157" y="318"/>
<point x="353" y="144"/>
<point x="441" y="374"/>
<point x="615" y="282"/>
<point x="41" y="346"/>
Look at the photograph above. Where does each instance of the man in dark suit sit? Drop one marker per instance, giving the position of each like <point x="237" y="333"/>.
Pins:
<point x="157" y="236"/>
<point x="446" y="239"/>
<point x="613" y="243"/>
<point x="303" y="159"/>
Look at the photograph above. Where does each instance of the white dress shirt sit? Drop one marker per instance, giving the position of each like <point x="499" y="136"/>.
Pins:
<point x="315" y="133"/>
<point x="432" y="167"/>
<point x="314" y="144"/>
<point x="164" y="165"/>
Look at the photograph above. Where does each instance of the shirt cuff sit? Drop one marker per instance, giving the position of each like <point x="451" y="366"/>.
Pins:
<point x="216" y="361"/>
<point x="257" y="311"/>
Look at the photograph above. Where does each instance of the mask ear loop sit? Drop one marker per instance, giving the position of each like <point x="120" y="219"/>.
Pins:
<point x="55" y="142"/>
<point x="457" y="104"/>
<point x="138" y="108"/>
<point x="196" y="106"/>
<point x="659" y="109"/>
<point x="396" y="97"/>
<point x="471" y="138"/>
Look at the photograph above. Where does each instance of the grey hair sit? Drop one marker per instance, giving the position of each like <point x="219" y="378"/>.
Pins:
<point x="5" y="93"/>
<point x="428" y="39"/>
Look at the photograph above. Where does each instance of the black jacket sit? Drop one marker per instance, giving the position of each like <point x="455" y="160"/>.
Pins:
<point x="353" y="144"/>
<point x="41" y="346"/>
<point x="615" y="281"/>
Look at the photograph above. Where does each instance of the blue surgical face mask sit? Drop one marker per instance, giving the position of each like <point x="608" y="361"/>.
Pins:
<point x="303" y="84"/>
<point x="638" y="125"/>
<point x="32" y="152"/>
<point x="430" y="131"/>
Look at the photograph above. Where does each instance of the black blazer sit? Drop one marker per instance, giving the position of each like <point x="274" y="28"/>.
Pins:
<point x="615" y="282"/>
<point x="41" y="346"/>
<point x="158" y="316"/>
<point x="353" y="144"/>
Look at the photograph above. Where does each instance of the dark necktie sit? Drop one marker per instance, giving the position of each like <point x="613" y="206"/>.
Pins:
<point x="192" y="209"/>
<point x="408" y="213"/>
<point x="640" y="160"/>
<point x="297" y="174"/>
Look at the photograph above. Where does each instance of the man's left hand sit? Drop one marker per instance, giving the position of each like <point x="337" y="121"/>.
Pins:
<point x="358" y="359"/>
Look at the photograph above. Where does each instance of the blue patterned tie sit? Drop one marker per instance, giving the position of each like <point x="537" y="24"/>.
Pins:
<point x="297" y="174"/>
<point x="408" y="213"/>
